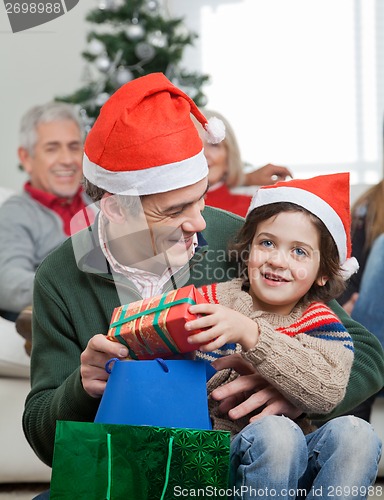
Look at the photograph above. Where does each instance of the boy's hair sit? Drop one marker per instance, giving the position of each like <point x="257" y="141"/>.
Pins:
<point x="329" y="255"/>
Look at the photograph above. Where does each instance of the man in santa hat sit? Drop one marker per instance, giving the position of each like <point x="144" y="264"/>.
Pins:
<point x="144" y="164"/>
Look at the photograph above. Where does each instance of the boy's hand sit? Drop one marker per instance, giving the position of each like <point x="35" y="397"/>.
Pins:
<point x="222" y="325"/>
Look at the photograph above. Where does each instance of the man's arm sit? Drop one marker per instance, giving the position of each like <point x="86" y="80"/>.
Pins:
<point x="17" y="252"/>
<point x="367" y="375"/>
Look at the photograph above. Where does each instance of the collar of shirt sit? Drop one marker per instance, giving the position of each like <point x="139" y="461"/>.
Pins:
<point x="148" y="284"/>
<point x="65" y="208"/>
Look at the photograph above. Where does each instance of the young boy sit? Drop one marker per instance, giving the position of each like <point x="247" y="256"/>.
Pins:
<point x="294" y="254"/>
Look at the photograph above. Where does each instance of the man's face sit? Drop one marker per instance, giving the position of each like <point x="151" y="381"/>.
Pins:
<point x="162" y="234"/>
<point x="55" y="165"/>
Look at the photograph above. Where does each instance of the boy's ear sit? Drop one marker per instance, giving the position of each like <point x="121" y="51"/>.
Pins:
<point x="112" y="210"/>
<point x="322" y="280"/>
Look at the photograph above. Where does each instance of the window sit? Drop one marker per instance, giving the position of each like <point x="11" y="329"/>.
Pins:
<point x="302" y="82"/>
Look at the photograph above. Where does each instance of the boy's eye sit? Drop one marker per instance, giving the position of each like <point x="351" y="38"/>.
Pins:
<point x="300" y="252"/>
<point x="266" y="243"/>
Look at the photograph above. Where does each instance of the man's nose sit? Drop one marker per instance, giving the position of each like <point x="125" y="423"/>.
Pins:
<point x="66" y="157"/>
<point x="194" y="221"/>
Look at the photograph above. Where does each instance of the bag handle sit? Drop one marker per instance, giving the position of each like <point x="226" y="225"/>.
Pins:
<point x="109" y="366"/>
<point x="167" y="467"/>
<point x="109" y="485"/>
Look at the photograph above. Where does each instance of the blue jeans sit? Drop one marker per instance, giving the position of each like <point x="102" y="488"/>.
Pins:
<point x="271" y="458"/>
<point x="369" y="310"/>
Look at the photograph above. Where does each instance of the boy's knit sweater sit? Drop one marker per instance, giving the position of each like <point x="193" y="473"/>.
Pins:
<point x="307" y="355"/>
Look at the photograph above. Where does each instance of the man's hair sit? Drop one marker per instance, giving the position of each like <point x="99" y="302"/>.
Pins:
<point x="45" y="113"/>
<point x="133" y="204"/>
<point x="329" y="255"/>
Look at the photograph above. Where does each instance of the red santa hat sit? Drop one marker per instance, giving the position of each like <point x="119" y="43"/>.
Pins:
<point x="327" y="197"/>
<point x="144" y="140"/>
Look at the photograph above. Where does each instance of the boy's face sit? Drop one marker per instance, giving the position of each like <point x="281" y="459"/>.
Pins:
<point x="284" y="262"/>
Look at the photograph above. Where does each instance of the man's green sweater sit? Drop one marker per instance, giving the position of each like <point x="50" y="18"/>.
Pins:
<point x="74" y="296"/>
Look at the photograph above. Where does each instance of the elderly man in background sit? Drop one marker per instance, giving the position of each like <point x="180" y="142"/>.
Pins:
<point x="36" y="221"/>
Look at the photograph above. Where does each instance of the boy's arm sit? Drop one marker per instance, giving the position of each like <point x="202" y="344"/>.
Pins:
<point x="367" y="375"/>
<point x="308" y="361"/>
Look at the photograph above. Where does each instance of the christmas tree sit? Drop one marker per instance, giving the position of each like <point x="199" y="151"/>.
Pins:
<point x="133" y="38"/>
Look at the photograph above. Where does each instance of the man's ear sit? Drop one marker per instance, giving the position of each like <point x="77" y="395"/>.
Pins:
<point x="322" y="280"/>
<point x="112" y="209"/>
<point x="25" y="159"/>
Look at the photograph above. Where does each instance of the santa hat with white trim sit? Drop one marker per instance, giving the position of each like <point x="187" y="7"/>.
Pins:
<point x="327" y="197"/>
<point x="144" y="140"/>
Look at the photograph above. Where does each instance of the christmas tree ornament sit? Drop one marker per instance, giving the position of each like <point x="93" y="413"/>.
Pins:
<point x="123" y="75"/>
<point x="134" y="31"/>
<point x="138" y="36"/>
<point x="103" y="63"/>
<point x="157" y="39"/>
<point x="144" y="50"/>
<point x="95" y="47"/>
<point x="152" y="5"/>
<point x="103" y="4"/>
<point x="181" y="31"/>
<point x="102" y="98"/>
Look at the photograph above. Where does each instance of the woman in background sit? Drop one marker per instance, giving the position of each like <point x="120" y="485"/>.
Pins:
<point x="226" y="171"/>
<point x="363" y="297"/>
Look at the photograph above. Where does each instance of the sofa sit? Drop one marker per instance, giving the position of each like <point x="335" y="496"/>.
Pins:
<point x="18" y="462"/>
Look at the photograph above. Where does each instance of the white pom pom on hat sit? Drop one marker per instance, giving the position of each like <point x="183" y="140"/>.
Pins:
<point x="327" y="197"/>
<point x="144" y="140"/>
<point x="214" y="130"/>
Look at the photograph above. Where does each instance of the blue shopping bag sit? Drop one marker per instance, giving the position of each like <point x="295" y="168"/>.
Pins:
<point x="164" y="393"/>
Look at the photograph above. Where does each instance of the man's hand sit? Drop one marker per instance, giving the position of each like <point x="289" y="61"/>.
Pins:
<point x="350" y="304"/>
<point x="269" y="174"/>
<point x="249" y="393"/>
<point x="93" y="359"/>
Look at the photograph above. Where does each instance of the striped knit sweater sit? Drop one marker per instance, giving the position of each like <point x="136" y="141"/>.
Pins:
<point x="307" y="355"/>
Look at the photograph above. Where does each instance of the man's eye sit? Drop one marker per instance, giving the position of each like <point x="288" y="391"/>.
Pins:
<point x="175" y="214"/>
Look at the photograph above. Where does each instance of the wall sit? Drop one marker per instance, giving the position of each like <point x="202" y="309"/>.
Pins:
<point x="44" y="62"/>
<point x="36" y="65"/>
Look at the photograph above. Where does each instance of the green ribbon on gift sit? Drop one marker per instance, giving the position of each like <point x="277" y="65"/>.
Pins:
<point x="157" y="310"/>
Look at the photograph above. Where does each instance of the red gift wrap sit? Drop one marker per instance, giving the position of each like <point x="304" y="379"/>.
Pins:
<point x="154" y="327"/>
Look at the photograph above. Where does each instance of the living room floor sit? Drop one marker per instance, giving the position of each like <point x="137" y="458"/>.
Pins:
<point x="29" y="491"/>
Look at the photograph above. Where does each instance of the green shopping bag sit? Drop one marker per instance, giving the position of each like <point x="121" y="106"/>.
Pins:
<point x="111" y="462"/>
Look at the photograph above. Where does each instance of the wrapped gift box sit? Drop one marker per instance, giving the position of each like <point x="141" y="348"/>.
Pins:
<point x="154" y="327"/>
